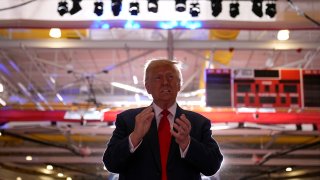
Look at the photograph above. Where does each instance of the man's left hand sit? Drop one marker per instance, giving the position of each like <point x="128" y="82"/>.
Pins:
<point x="181" y="131"/>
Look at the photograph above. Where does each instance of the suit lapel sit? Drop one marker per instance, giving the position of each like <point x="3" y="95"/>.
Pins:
<point x="152" y="138"/>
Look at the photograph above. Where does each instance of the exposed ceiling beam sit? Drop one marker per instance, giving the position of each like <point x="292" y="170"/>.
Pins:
<point x="108" y="130"/>
<point x="170" y="45"/>
<point x="177" y="44"/>
<point x="98" y="160"/>
<point x="53" y="150"/>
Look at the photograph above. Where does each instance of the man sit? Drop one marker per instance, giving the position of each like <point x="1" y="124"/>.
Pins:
<point x="138" y="149"/>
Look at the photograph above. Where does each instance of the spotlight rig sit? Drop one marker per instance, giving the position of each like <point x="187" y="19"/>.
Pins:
<point x="153" y="6"/>
<point x="116" y="6"/>
<point x="257" y="7"/>
<point x="98" y="8"/>
<point x="180" y="5"/>
<point x="234" y="9"/>
<point x="271" y="9"/>
<point x="62" y="7"/>
<point x="75" y="7"/>
<point x="216" y="6"/>
<point x="194" y="9"/>
<point x="134" y="8"/>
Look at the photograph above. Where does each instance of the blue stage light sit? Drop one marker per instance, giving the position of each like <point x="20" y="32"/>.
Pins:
<point x="132" y="25"/>
<point x="168" y="25"/>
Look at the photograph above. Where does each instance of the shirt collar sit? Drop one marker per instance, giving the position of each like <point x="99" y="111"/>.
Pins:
<point x="157" y="110"/>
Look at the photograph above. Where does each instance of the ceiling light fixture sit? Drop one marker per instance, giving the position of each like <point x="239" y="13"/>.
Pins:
<point x="49" y="167"/>
<point x="116" y="6"/>
<point x="98" y="7"/>
<point x="1" y="88"/>
<point x="55" y="32"/>
<point x="134" y="8"/>
<point x="62" y="8"/>
<point x="180" y="5"/>
<point x="234" y="9"/>
<point x="29" y="158"/>
<point x="194" y="9"/>
<point x="3" y="103"/>
<point x="153" y="6"/>
<point x="257" y="7"/>
<point x="283" y="35"/>
<point x="271" y="10"/>
<point x="75" y="7"/>
<point x="216" y="7"/>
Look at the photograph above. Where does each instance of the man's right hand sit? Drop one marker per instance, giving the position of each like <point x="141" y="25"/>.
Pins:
<point x="142" y="125"/>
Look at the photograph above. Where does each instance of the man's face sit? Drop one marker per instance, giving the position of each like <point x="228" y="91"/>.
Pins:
<point x="163" y="84"/>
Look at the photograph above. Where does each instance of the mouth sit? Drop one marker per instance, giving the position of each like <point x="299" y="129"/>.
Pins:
<point x="165" y="91"/>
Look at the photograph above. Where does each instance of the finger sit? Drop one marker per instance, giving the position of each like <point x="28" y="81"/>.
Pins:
<point x="179" y="125"/>
<point x="146" y="113"/>
<point x="183" y="124"/>
<point x="176" y="128"/>
<point x="150" y="116"/>
<point x="175" y="133"/>
<point x="147" y="110"/>
<point x="184" y="119"/>
<point x="179" y="130"/>
<point x="178" y="135"/>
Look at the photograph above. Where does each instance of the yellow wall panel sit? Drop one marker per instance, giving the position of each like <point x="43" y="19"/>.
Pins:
<point x="42" y="33"/>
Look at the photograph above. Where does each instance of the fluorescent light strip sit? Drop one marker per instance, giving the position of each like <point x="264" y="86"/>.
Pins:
<point x="2" y="102"/>
<point x="135" y="79"/>
<point x="129" y="88"/>
<point x="193" y="93"/>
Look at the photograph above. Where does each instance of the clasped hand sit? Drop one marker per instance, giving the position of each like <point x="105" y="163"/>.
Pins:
<point x="181" y="128"/>
<point x="181" y="131"/>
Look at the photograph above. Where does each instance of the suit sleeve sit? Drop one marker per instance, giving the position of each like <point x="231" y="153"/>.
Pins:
<point x="118" y="151"/>
<point x="204" y="152"/>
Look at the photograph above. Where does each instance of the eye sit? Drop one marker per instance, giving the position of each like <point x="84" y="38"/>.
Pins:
<point x="157" y="77"/>
<point x="170" y="76"/>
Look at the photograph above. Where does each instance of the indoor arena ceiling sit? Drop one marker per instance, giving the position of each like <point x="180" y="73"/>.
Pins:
<point x="86" y="68"/>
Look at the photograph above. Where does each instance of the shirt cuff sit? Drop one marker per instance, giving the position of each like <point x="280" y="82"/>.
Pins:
<point x="132" y="149"/>
<point x="183" y="153"/>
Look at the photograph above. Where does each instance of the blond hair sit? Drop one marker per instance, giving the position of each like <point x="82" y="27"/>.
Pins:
<point x="153" y="63"/>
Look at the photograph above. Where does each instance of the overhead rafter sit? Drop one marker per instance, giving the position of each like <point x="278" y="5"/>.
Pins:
<point x="177" y="44"/>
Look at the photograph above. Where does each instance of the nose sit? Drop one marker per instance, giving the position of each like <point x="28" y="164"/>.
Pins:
<point x="165" y="80"/>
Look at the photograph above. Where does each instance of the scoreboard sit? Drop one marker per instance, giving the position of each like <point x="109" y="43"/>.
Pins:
<point x="311" y="88"/>
<point x="262" y="88"/>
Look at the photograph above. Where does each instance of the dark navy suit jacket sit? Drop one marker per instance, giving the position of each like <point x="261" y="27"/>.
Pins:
<point x="203" y="155"/>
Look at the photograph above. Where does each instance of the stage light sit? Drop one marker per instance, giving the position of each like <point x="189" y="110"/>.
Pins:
<point x="216" y="6"/>
<point x="98" y="8"/>
<point x="75" y="7"/>
<point x="180" y="5"/>
<point x="234" y="9"/>
<point x="134" y="8"/>
<point x="194" y="9"/>
<point x="271" y="9"/>
<point x="116" y="7"/>
<point x="62" y="7"/>
<point x="153" y="6"/>
<point x="257" y="7"/>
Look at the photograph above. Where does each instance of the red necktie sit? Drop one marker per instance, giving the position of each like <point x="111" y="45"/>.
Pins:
<point x="164" y="136"/>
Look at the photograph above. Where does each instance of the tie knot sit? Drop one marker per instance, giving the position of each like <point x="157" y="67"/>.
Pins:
<point x="165" y="112"/>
